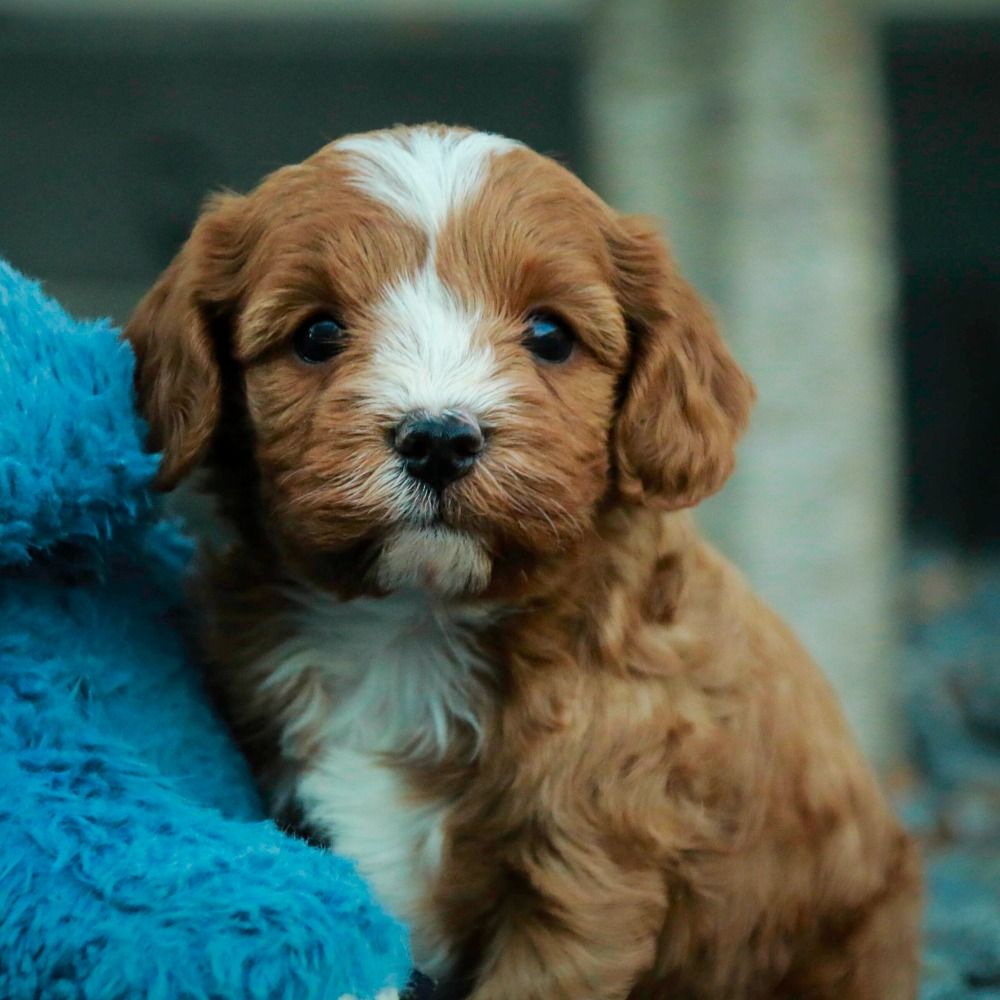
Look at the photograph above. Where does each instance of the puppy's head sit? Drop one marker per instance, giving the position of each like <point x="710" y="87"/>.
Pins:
<point x="448" y="354"/>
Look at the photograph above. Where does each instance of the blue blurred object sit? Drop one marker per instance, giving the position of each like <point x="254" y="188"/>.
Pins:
<point x="135" y="858"/>
<point x="962" y="950"/>
<point x="952" y="677"/>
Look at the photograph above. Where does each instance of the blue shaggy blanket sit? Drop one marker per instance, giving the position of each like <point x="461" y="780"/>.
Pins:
<point x="135" y="859"/>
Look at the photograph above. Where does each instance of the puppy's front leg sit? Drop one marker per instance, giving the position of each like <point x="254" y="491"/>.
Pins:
<point x="536" y="964"/>
<point x="574" y="949"/>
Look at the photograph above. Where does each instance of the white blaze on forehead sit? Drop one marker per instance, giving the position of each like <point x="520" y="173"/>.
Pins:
<point x="420" y="173"/>
<point x="426" y="354"/>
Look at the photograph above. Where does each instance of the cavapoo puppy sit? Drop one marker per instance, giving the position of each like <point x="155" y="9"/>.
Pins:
<point x="454" y="409"/>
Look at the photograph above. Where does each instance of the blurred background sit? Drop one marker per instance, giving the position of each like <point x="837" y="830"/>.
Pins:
<point x="829" y="174"/>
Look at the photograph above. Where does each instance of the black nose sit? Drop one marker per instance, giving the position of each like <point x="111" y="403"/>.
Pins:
<point x="438" y="450"/>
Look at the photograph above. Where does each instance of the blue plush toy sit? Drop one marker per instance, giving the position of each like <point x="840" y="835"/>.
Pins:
<point x="135" y="860"/>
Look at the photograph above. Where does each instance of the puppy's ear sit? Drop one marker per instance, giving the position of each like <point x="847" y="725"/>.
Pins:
<point x="685" y="401"/>
<point x="171" y="331"/>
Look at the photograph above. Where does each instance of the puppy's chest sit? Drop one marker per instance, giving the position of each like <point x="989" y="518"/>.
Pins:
<point x="404" y="681"/>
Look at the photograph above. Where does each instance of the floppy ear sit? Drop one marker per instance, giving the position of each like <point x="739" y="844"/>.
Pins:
<point x="177" y="374"/>
<point x="685" y="401"/>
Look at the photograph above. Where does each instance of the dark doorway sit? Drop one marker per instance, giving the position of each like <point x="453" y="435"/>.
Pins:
<point x="944" y="98"/>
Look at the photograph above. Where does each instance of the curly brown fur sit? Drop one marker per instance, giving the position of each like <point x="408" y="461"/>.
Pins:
<point x="557" y="730"/>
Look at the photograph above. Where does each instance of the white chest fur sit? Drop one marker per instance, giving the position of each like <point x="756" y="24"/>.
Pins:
<point x="402" y="674"/>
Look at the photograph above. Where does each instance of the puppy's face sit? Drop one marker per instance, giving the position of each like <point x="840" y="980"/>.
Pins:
<point x="448" y="354"/>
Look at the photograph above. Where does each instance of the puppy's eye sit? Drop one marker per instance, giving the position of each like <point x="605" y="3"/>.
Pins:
<point x="319" y="339"/>
<point x="549" y="338"/>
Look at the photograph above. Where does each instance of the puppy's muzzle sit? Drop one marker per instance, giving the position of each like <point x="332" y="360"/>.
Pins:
<point x="437" y="450"/>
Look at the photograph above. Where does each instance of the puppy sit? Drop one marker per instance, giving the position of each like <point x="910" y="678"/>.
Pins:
<point x="455" y="410"/>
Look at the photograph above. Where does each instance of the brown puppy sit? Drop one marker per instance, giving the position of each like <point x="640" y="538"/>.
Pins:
<point x="453" y="407"/>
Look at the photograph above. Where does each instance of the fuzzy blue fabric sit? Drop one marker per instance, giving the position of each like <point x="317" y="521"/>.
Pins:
<point x="135" y="859"/>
